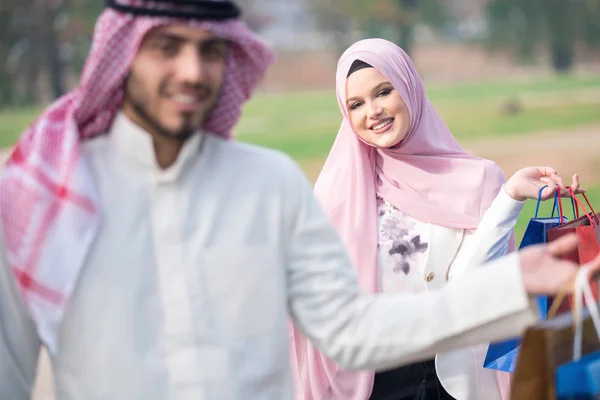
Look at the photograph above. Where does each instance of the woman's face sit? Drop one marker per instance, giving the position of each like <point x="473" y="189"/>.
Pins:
<point x="376" y="110"/>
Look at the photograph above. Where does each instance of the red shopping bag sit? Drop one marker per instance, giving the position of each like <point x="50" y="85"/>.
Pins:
<point x="587" y="229"/>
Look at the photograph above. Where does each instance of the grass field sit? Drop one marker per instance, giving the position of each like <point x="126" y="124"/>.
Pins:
<point x="304" y="124"/>
<point x="593" y="194"/>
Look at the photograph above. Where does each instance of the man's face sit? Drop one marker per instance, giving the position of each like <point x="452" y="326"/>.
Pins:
<point x="175" y="80"/>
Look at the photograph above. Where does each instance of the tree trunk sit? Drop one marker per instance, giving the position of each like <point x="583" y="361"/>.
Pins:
<point x="562" y="58"/>
<point x="51" y="48"/>
<point x="407" y="28"/>
<point x="562" y="33"/>
<point x="406" y="38"/>
<point x="6" y="91"/>
<point x="33" y="61"/>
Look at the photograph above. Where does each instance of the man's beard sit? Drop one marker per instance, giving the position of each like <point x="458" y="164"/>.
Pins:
<point x="139" y="105"/>
<point x="186" y="130"/>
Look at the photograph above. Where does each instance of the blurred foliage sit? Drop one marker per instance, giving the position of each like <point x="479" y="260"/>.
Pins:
<point x="391" y="19"/>
<point x="524" y="26"/>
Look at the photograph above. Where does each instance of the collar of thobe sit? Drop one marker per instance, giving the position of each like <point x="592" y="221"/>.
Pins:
<point x="135" y="144"/>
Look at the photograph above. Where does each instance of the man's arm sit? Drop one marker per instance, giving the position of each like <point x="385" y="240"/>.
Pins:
<point x="19" y="342"/>
<point x="382" y="331"/>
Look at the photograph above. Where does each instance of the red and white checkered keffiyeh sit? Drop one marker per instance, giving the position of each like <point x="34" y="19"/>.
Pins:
<point x="48" y="202"/>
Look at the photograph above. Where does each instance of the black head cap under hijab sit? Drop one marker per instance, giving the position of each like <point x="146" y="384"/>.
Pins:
<point x="212" y="10"/>
<point x="358" y="65"/>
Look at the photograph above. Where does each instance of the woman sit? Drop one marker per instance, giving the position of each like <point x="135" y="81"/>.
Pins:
<point x="414" y="210"/>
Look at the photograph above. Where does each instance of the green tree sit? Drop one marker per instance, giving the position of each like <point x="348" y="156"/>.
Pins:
<point x="6" y="89"/>
<point x="8" y="38"/>
<point x="394" y="20"/>
<point x="558" y="25"/>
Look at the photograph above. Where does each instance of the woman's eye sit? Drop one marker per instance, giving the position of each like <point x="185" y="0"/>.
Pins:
<point x="355" y="106"/>
<point x="384" y="92"/>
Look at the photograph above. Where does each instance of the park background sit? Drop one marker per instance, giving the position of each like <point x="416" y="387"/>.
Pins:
<point x="517" y="81"/>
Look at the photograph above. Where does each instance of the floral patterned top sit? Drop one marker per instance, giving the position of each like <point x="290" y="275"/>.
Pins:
<point x="403" y="244"/>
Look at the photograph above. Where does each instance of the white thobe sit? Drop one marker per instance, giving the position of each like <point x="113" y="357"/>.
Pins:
<point x="188" y="287"/>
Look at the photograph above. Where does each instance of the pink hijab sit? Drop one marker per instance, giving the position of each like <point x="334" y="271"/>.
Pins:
<point x="429" y="177"/>
<point x="48" y="200"/>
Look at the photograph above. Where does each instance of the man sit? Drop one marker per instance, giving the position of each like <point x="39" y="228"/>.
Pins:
<point x="155" y="259"/>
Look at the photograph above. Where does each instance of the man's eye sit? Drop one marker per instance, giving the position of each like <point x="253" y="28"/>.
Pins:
<point x="217" y="51"/>
<point x="168" y="49"/>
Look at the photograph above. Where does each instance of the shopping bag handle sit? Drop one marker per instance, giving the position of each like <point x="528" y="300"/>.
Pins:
<point x="582" y="291"/>
<point x="539" y="200"/>
<point x="560" y="297"/>
<point x="577" y="204"/>
<point x="554" y="206"/>
<point x="580" y="204"/>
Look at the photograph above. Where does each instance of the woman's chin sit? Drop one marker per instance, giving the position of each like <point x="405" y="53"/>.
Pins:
<point x="386" y="144"/>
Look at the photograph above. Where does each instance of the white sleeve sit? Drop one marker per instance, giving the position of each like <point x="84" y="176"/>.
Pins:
<point x="492" y="237"/>
<point x="19" y="342"/>
<point x="380" y="331"/>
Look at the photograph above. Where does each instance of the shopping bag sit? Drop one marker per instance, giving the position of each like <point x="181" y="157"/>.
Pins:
<point x="503" y="355"/>
<point x="587" y="229"/>
<point x="537" y="228"/>
<point x="551" y="344"/>
<point x="580" y="378"/>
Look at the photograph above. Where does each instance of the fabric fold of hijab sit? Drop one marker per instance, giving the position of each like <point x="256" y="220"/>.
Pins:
<point x="48" y="202"/>
<point x="428" y="176"/>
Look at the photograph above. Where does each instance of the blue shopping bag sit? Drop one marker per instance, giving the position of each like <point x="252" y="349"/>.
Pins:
<point x="579" y="380"/>
<point x="503" y="355"/>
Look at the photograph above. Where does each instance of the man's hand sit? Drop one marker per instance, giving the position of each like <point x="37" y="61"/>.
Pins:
<point x="544" y="273"/>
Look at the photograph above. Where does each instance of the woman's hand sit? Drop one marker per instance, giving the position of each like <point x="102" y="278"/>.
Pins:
<point x="527" y="182"/>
